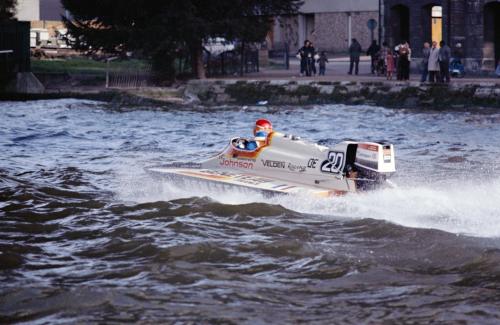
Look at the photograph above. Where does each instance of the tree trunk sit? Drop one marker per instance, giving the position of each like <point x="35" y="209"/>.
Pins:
<point x="287" y="56"/>
<point x="242" y="63"/>
<point x="198" y="67"/>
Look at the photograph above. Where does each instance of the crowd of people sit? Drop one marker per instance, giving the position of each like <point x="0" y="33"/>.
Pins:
<point x="389" y="62"/>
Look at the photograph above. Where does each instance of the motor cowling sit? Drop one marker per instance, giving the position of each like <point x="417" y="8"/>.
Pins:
<point x="376" y="157"/>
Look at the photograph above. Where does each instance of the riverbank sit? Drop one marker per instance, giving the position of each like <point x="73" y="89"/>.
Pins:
<point x="364" y="90"/>
<point x="92" y="87"/>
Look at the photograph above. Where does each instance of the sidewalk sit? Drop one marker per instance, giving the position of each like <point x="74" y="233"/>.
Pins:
<point x="336" y="70"/>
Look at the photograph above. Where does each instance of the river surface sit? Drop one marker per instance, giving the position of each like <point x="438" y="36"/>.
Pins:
<point x="87" y="236"/>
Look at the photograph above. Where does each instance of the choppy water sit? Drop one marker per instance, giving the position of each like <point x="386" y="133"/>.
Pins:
<point x="87" y="236"/>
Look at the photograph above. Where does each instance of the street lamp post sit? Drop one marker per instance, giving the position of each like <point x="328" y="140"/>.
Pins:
<point x="380" y="22"/>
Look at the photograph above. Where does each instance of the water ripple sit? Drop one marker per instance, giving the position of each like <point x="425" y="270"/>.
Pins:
<point x="87" y="236"/>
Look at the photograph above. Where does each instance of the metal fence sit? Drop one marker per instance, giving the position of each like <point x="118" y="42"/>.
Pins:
<point x="225" y="64"/>
<point x="232" y="63"/>
<point x="118" y="76"/>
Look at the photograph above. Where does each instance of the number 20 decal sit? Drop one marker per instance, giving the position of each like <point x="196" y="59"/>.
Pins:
<point x="334" y="163"/>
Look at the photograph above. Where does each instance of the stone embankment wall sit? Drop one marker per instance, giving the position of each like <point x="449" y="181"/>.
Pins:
<point x="304" y="92"/>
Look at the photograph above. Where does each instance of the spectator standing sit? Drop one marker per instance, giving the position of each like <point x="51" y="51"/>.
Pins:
<point x="389" y="63"/>
<point x="354" y="54"/>
<point x="373" y="52"/>
<point x="458" y="52"/>
<point x="426" y="51"/>
<point x="433" y="66"/>
<point x="322" y="61"/>
<point x="384" y="50"/>
<point x="444" y="61"/>
<point x="302" y="55"/>
<point x="382" y="63"/>
<point x="404" y="61"/>
<point x="312" y="50"/>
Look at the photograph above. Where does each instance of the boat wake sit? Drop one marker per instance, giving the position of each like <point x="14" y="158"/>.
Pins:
<point x="456" y="206"/>
<point x="470" y="209"/>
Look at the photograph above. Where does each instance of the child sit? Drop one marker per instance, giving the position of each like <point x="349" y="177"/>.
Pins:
<point x="323" y="60"/>
<point x="389" y="62"/>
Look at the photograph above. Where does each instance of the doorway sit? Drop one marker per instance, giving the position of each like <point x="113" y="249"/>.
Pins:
<point x="437" y="23"/>
<point x="400" y="24"/>
<point x="491" y="46"/>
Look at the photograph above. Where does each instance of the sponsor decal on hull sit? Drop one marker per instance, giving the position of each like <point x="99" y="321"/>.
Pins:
<point x="205" y="175"/>
<point x="296" y="168"/>
<point x="252" y="180"/>
<point x="235" y="163"/>
<point x="312" y="163"/>
<point x="273" y="164"/>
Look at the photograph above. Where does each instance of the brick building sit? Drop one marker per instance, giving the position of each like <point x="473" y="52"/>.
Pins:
<point x="329" y="24"/>
<point x="475" y="24"/>
<point x="40" y="10"/>
<point x="45" y="18"/>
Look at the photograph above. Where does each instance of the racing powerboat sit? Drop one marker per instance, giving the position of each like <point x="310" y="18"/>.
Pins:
<point x="286" y="164"/>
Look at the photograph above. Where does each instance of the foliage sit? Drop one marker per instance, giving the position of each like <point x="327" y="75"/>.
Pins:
<point x="164" y="30"/>
<point x="7" y="9"/>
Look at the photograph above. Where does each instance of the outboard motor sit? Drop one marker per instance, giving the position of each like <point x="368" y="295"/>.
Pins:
<point x="374" y="162"/>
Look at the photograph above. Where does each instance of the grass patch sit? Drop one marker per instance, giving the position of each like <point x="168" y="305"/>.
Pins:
<point x="85" y="66"/>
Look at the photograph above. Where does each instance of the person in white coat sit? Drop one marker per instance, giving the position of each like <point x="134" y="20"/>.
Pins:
<point x="433" y="65"/>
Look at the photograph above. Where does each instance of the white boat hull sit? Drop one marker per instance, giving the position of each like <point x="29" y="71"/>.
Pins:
<point x="288" y="165"/>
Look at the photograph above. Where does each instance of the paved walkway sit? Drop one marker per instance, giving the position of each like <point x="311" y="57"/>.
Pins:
<point x="336" y="70"/>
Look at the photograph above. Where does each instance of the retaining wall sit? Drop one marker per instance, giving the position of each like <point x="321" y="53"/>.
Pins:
<point x="304" y="92"/>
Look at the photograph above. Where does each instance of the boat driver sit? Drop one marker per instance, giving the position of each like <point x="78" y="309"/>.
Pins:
<point x="262" y="125"/>
<point x="261" y="130"/>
